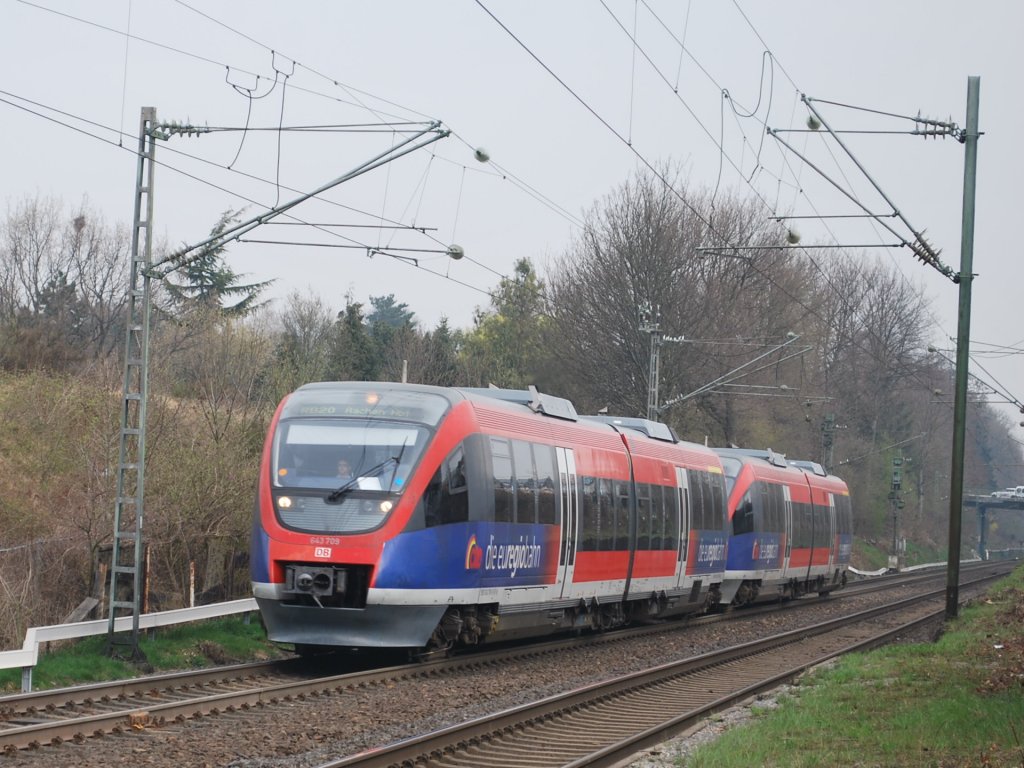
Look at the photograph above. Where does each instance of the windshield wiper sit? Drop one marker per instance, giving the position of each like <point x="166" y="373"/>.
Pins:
<point x="398" y="461"/>
<point x="373" y="471"/>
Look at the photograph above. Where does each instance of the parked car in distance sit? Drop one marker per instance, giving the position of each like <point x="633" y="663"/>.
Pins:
<point x="1017" y="492"/>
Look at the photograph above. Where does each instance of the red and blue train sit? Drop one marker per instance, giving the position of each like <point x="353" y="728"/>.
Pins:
<point x="476" y="515"/>
<point x="791" y="527"/>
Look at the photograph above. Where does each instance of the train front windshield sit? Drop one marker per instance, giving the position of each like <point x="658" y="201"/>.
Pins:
<point x="364" y="454"/>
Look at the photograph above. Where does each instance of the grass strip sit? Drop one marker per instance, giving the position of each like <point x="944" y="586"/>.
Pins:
<point x="956" y="702"/>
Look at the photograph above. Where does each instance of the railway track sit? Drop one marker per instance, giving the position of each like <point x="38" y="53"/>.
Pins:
<point x="52" y="717"/>
<point x="606" y="723"/>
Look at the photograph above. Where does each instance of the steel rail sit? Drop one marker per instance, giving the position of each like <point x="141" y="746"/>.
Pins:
<point x="601" y="724"/>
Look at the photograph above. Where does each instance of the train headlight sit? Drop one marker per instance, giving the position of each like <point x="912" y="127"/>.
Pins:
<point x="385" y="506"/>
<point x="284" y="502"/>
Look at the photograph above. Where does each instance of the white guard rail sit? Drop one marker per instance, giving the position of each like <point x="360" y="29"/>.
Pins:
<point x="28" y="656"/>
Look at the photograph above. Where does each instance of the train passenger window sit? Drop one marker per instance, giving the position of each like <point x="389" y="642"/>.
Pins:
<point x="621" y="515"/>
<point x="657" y="517"/>
<point x="696" y="500"/>
<point x="504" y="500"/>
<point x="643" y="516"/>
<point x="704" y="503"/>
<point x="589" y="521"/>
<point x="778" y="508"/>
<point x="606" y="513"/>
<point x="526" y="482"/>
<point x="768" y="511"/>
<point x="718" y="521"/>
<point x="844" y="514"/>
<point x="671" y="541"/>
<point x="802" y="530"/>
<point x="547" y="498"/>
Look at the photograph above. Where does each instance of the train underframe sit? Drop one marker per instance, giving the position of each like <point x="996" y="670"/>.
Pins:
<point x="471" y="625"/>
<point x="317" y="623"/>
<point x="751" y="591"/>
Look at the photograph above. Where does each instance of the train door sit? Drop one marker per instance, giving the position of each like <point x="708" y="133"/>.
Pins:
<point x="833" y="540"/>
<point x="684" y="523"/>
<point x="570" y="517"/>
<point x="787" y="526"/>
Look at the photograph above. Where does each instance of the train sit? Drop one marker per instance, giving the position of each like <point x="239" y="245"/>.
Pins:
<point x="480" y="515"/>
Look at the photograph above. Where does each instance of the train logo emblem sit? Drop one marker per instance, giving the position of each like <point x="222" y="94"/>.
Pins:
<point x="474" y="555"/>
<point x="322" y="552"/>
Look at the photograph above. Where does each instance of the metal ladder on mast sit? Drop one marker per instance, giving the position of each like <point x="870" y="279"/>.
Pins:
<point x="126" y="566"/>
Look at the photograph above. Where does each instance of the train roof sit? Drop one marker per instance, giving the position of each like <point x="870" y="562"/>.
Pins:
<point x="810" y="466"/>
<point x="653" y="429"/>
<point x="775" y="459"/>
<point x="768" y="455"/>
<point x="538" y="402"/>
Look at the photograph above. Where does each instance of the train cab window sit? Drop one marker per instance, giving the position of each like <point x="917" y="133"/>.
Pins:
<point x="446" y="498"/>
<point x="732" y="467"/>
<point x="547" y="498"/>
<point x="504" y="500"/>
<point x="457" y="470"/>
<point x="431" y="501"/>
<point x="458" y="492"/>
<point x="307" y="452"/>
<point x="743" y="516"/>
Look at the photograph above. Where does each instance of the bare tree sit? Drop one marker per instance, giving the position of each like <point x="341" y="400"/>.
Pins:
<point x="63" y="285"/>
<point x="99" y="257"/>
<point x="649" y="246"/>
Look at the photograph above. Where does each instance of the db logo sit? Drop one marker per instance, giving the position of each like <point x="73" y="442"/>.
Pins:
<point x="323" y="552"/>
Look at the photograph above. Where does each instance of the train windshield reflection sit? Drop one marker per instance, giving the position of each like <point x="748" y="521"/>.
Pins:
<point x="372" y="455"/>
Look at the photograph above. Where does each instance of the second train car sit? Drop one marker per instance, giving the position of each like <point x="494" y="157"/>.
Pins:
<point x="790" y="527"/>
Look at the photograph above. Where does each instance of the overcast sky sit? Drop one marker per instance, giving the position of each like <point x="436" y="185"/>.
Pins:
<point x="568" y="99"/>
